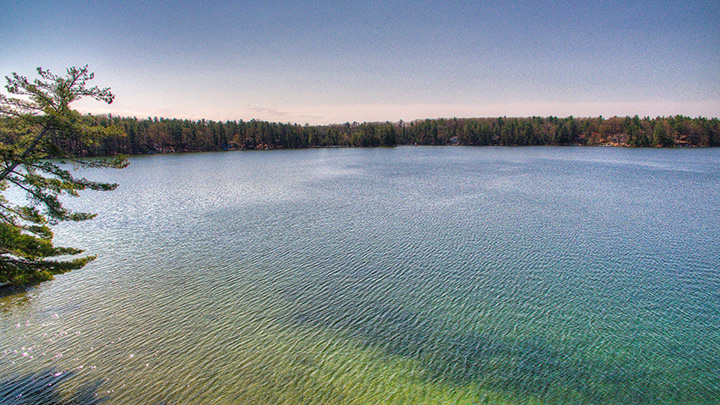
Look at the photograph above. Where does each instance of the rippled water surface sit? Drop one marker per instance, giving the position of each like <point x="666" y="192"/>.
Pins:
<point x="447" y="274"/>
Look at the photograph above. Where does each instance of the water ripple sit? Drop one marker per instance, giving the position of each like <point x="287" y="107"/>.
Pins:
<point x="446" y="275"/>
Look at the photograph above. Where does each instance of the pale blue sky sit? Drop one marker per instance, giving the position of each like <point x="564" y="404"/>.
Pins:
<point x="336" y="61"/>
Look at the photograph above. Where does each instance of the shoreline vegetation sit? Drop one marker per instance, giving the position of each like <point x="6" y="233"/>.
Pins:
<point x="163" y="135"/>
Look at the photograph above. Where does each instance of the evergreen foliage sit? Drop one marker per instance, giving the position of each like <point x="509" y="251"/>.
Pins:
<point x="161" y="135"/>
<point x="39" y="136"/>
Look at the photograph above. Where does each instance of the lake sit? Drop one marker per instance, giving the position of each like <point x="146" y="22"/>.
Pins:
<point x="409" y="274"/>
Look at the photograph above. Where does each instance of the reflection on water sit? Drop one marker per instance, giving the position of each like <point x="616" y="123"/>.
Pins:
<point x="384" y="275"/>
<point x="43" y="388"/>
<point x="13" y="298"/>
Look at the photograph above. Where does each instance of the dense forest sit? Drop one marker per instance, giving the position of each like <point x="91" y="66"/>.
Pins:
<point x="160" y="135"/>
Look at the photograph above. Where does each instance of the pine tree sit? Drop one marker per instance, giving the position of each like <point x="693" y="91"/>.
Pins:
<point x="37" y="131"/>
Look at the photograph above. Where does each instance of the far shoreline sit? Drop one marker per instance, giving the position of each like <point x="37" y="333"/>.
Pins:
<point x="137" y="137"/>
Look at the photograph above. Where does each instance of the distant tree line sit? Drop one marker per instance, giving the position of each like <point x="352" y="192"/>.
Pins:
<point x="161" y="135"/>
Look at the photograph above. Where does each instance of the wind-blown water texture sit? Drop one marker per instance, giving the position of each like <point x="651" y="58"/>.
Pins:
<point x="582" y="275"/>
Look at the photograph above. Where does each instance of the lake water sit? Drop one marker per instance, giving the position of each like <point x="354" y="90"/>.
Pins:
<point x="435" y="275"/>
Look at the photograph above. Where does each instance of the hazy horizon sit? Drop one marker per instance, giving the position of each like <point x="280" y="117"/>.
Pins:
<point x="333" y="62"/>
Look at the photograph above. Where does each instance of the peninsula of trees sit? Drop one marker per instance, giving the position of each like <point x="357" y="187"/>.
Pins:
<point x="161" y="135"/>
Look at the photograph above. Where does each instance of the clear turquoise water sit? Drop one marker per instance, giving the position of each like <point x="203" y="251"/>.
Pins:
<point x="446" y="274"/>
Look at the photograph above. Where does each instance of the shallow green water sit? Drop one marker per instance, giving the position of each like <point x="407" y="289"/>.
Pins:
<point x="447" y="274"/>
